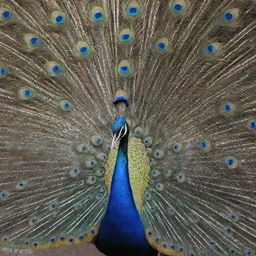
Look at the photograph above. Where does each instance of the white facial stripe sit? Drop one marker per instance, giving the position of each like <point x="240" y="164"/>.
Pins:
<point x="125" y="127"/>
<point x="115" y="139"/>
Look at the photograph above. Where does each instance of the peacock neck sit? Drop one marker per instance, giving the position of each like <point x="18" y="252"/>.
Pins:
<point x="121" y="226"/>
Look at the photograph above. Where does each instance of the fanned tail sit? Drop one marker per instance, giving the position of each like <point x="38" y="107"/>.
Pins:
<point x="187" y="71"/>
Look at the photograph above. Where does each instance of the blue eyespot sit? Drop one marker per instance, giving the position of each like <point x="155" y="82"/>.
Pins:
<point x="71" y="240"/>
<point x="232" y="251"/>
<point x="248" y="252"/>
<point x="176" y="147"/>
<point x="74" y="172"/>
<point x="21" y="185"/>
<point x="52" y="240"/>
<point x="34" y="41"/>
<point x="6" y="15"/>
<point x="203" y="144"/>
<point x="56" y="69"/>
<point x="228" y="17"/>
<point x="231" y="162"/>
<point x="212" y="243"/>
<point x="177" y="8"/>
<point x="173" y="247"/>
<point x="81" y="238"/>
<point x="35" y="244"/>
<point x="53" y="206"/>
<point x="84" y="50"/>
<point x="233" y="217"/>
<point x="66" y="106"/>
<point x="98" y="16"/>
<point x="227" y="107"/>
<point x="252" y="125"/>
<point x="228" y="230"/>
<point x="161" y="46"/>
<point x="180" y="177"/>
<point x="133" y="11"/>
<point x="34" y="220"/>
<point x="124" y="69"/>
<point x="28" y="93"/>
<point x="164" y="245"/>
<point x="181" y="249"/>
<point x="2" y="72"/>
<point x="59" y="19"/>
<point x="4" y="195"/>
<point x="62" y="238"/>
<point x="210" y="49"/>
<point x="126" y="38"/>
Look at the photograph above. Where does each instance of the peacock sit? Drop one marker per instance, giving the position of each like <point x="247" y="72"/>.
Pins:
<point x="130" y="124"/>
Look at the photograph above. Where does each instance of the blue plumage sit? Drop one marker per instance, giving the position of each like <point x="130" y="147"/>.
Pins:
<point x="121" y="231"/>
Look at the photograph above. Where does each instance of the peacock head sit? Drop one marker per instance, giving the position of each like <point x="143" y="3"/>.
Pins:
<point x="120" y="129"/>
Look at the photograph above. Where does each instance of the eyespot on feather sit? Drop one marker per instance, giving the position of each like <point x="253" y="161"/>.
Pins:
<point x="82" y="50"/>
<point x="58" y="18"/>
<point x="6" y="15"/>
<point x="162" y="45"/>
<point x="98" y="15"/>
<point x="32" y="41"/>
<point x="54" y="68"/>
<point x="212" y="49"/>
<point x="3" y="71"/>
<point x="124" y="68"/>
<point x="178" y="7"/>
<point x="133" y="10"/>
<point x="230" y="16"/>
<point x="126" y="36"/>
<point x="26" y="93"/>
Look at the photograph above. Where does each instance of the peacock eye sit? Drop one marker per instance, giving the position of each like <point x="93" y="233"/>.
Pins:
<point x="162" y="45"/>
<point x="58" y="17"/>
<point x="231" y="162"/>
<point x="26" y="93"/>
<point x="3" y="71"/>
<point x="6" y="15"/>
<point x="21" y="185"/>
<point x="98" y="15"/>
<point x="230" y="16"/>
<point x="32" y="42"/>
<point x="66" y="105"/>
<point x="252" y="125"/>
<point x="82" y="49"/>
<point x="178" y="7"/>
<point x="96" y="140"/>
<point x="212" y="48"/>
<point x="54" y="68"/>
<point x="126" y="36"/>
<point x="52" y="240"/>
<point x="133" y="9"/>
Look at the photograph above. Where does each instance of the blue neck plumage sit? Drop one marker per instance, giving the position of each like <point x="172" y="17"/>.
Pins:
<point x="121" y="226"/>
